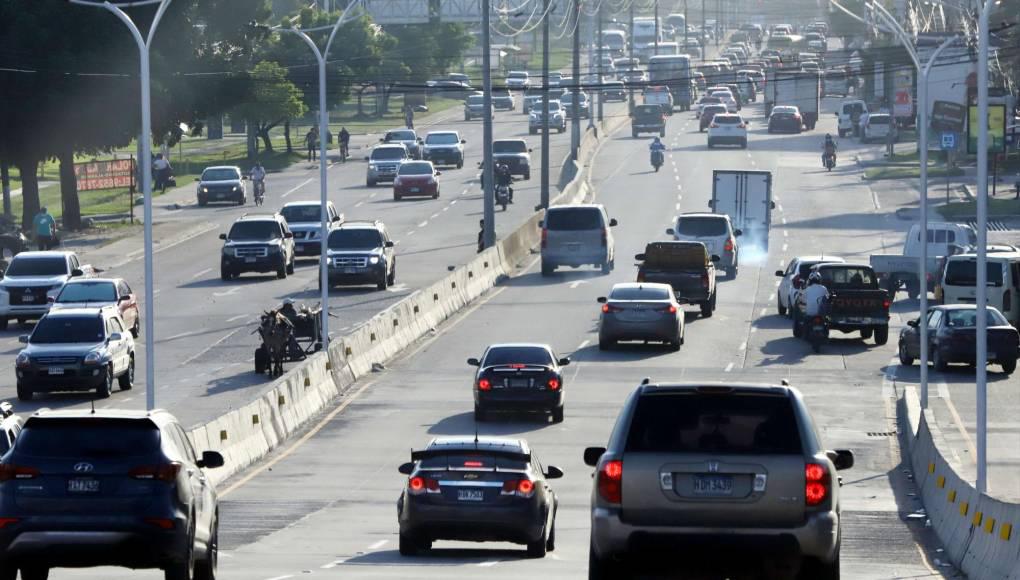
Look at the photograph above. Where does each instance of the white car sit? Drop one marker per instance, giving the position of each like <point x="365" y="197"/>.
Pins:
<point x="518" y="80"/>
<point x="726" y="97"/>
<point x="728" y="129"/>
<point x="876" y="127"/>
<point x="795" y="277"/>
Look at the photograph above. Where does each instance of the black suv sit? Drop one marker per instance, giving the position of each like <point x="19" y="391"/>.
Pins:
<point x="257" y="243"/>
<point x="647" y="119"/>
<point x="221" y="184"/>
<point x="361" y="252"/>
<point x="107" y="488"/>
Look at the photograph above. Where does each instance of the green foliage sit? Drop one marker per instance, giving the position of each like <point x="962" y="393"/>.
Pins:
<point x="273" y="99"/>
<point x="842" y="24"/>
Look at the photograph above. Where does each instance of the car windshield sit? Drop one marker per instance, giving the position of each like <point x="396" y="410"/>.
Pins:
<point x="784" y="111"/>
<point x="710" y="100"/>
<point x="68" y="329"/>
<point x="28" y="266"/>
<point x="848" y="277"/>
<point x="745" y="424"/>
<point x="88" y="438"/>
<point x="964" y="273"/>
<point x="723" y="96"/>
<point x="442" y="139"/>
<point x="295" y="214"/>
<point x="401" y="136"/>
<point x="968" y="318"/>
<point x="577" y="218"/>
<point x="878" y="120"/>
<point x="727" y="120"/>
<point x="355" y="239"/>
<point x="387" y="153"/>
<point x="712" y="110"/>
<point x="524" y="355"/>
<point x="88" y="292"/>
<point x="220" y="175"/>
<point x="701" y="226"/>
<point x="639" y="293"/>
<point x="475" y="100"/>
<point x="509" y="147"/>
<point x="517" y="75"/>
<point x="247" y="231"/>
<point x="417" y="168"/>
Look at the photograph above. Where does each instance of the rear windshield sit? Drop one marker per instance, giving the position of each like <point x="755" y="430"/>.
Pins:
<point x="848" y="277"/>
<point x="655" y="110"/>
<point x="730" y="424"/>
<point x="301" y="213"/>
<point x="388" y="153"/>
<point x="968" y="318"/>
<point x="878" y="120"/>
<point x="587" y="218"/>
<point x="355" y="239"/>
<point x="509" y="355"/>
<point x="701" y="226"/>
<point x="416" y="169"/>
<point x="254" y="231"/>
<point x="400" y="136"/>
<point x="964" y="273"/>
<point x="472" y="461"/>
<point x="727" y="120"/>
<point x="509" y="147"/>
<point x="640" y="293"/>
<point x="88" y="438"/>
<point x="88" y="292"/>
<point x="713" y="100"/>
<point x="475" y="100"/>
<point x="26" y="266"/>
<point x="68" y="329"/>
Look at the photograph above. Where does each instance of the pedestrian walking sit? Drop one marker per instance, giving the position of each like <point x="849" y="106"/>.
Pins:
<point x="312" y="143"/>
<point x="409" y="116"/>
<point x="345" y="143"/>
<point x="45" y="228"/>
<point x="162" y="170"/>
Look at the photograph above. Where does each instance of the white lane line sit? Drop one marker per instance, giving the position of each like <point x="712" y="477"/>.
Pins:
<point x="423" y="224"/>
<point x="236" y="318"/>
<point x="677" y="177"/>
<point x="678" y="207"/>
<point x="780" y="207"/>
<point x="783" y="220"/>
<point x="126" y="399"/>
<point x="754" y="329"/>
<point x="359" y="204"/>
<point x="786" y="234"/>
<point x="410" y="233"/>
<point x="297" y="187"/>
<point x="434" y="216"/>
<point x="729" y="368"/>
<point x="577" y="283"/>
<point x="454" y="202"/>
<point x="330" y="565"/>
<point x="447" y="208"/>
<point x="772" y="297"/>
<point x="784" y="247"/>
<point x="281" y="577"/>
<point x="763" y="311"/>
<point x="743" y="345"/>
<point x="782" y="262"/>
<point x="488" y="564"/>
<point x="210" y="347"/>
<point x="583" y="344"/>
<point x="200" y="274"/>
<point x="233" y="290"/>
<point x="378" y="545"/>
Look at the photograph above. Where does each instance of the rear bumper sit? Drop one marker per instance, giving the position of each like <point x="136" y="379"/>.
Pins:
<point x="423" y="189"/>
<point x="442" y="157"/>
<point x="518" y="524"/>
<point x="232" y="197"/>
<point x="575" y="259"/>
<point x="664" y="330"/>
<point x="647" y="128"/>
<point x="303" y="248"/>
<point x="613" y="538"/>
<point x="34" y="311"/>
<point x="519" y="399"/>
<point x="728" y="139"/>
<point x="362" y="276"/>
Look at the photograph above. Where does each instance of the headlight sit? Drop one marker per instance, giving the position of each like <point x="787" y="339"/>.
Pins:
<point x="275" y="248"/>
<point x="373" y="260"/>
<point x="205" y="190"/>
<point x="236" y="188"/>
<point x="23" y="360"/>
<point x="432" y="181"/>
<point x="93" y="358"/>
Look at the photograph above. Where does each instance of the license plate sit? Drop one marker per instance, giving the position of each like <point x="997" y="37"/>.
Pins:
<point x="28" y="299"/>
<point x="856" y="320"/>
<point x="249" y="260"/>
<point x="415" y="189"/>
<point x="55" y="371"/>
<point x="520" y="383"/>
<point x="220" y="195"/>
<point x="470" y="495"/>
<point x="992" y="356"/>
<point x="83" y="485"/>
<point x="574" y="247"/>
<point x="350" y="270"/>
<point x="714" y="485"/>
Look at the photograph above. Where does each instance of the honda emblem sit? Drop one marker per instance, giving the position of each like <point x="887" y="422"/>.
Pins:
<point x="713" y="467"/>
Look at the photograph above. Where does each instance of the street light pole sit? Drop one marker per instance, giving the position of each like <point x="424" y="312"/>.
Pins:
<point x="488" y="175"/>
<point x="144" y="44"/>
<point x="545" y="106"/>
<point x="575" y="126"/>
<point x="598" y="42"/>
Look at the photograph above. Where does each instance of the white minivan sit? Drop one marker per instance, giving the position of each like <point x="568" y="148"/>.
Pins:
<point x="959" y="282"/>
<point x="849" y="114"/>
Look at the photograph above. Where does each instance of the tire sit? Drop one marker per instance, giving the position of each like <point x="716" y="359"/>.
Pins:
<point x="701" y="129"/>
<point x="744" y="144"/>
<point x="3" y="323"/>
<point x="261" y="360"/>
<point x="396" y="196"/>
<point x="370" y="183"/>
<point x="225" y="274"/>
<point x="35" y="573"/>
<point x="662" y="133"/>
<point x="842" y="133"/>
<point x="202" y="203"/>
<point x="382" y="283"/>
<point x="527" y="175"/>
<point x="710" y="145"/>
<point x="706" y="309"/>
<point x="392" y="278"/>
<point x="913" y="289"/>
<point x="410" y="546"/>
<point x="634" y="134"/>
<point x="1008" y="366"/>
<point x="547" y="269"/>
<point x="127" y="380"/>
<point x="281" y="272"/>
<point x="605" y="344"/>
<point x="24" y="392"/>
<point x="905" y="359"/>
<point x="550" y="542"/>
<point x="206" y="569"/>
<point x="780" y="308"/>
<point x="557" y="414"/>
<point x="797" y="330"/>
<point x="606" y="267"/>
<point x="538" y="548"/>
<point x="604" y="569"/>
<point x="104" y="390"/>
<point x="938" y="362"/>
<point x="674" y="345"/>
<point x="183" y="570"/>
<point x="813" y="569"/>
<point x="481" y="416"/>
<point x="8" y="572"/>
<point x="881" y="335"/>
<point x="531" y="131"/>
<point x="290" y="267"/>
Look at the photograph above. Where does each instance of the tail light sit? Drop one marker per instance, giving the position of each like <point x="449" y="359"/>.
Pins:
<point x="668" y="309"/>
<point x="816" y="484"/>
<point x="166" y="472"/>
<point x="10" y="472"/>
<point x="4" y="522"/>
<point x="1007" y="302"/>
<point x="611" y="481"/>
<point x="609" y="308"/>
<point x="519" y="487"/>
<point x="419" y="485"/>
<point x="640" y="278"/>
<point x="605" y="237"/>
<point x="797" y="117"/>
<point x="161" y="523"/>
<point x="484" y="385"/>
<point x="886" y="303"/>
<point x="817" y="320"/>
<point x="729" y="245"/>
<point x="742" y="126"/>
<point x="554" y="384"/>
<point x="545" y="234"/>
<point x="704" y="280"/>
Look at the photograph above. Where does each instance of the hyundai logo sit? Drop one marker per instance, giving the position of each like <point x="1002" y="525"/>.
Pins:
<point x="83" y="467"/>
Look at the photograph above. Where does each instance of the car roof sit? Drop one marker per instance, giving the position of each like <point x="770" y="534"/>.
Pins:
<point x="958" y="307"/>
<point x="76" y="281"/>
<point x="42" y="254"/>
<point x="702" y="214"/>
<point x="361" y="225"/>
<point x="717" y="387"/>
<point x="482" y="443"/>
<point x="258" y="217"/>
<point x="573" y="207"/>
<point x="389" y="146"/>
<point x="441" y="133"/>
<point x="842" y="265"/>
<point x="640" y="286"/>
<point x="223" y="167"/>
<point x="158" y="416"/>
<point x="306" y="203"/>
<point x="77" y="312"/>
<point x="520" y="345"/>
<point x="821" y="258"/>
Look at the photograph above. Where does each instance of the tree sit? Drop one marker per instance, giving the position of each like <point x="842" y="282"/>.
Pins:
<point x="423" y="51"/>
<point x="273" y="100"/>
<point x="845" y="26"/>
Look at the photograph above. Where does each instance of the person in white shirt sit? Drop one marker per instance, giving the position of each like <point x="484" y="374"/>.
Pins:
<point x="161" y="171"/>
<point x="814" y="296"/>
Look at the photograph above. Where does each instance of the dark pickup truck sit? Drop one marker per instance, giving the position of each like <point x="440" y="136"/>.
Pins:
<point x="856" y="302"/>
<point x="686" y="266"/>
<point x="647" y="119"/>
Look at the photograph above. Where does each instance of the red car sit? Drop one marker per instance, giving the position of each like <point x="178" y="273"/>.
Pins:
<point x="99" y="292"/>
<point x="709" y="113"/>
<point x="416" y="178"/>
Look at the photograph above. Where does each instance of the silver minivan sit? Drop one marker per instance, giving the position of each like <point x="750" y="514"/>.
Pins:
<point x="716" y="232"/>
<point x="577" y="235"/>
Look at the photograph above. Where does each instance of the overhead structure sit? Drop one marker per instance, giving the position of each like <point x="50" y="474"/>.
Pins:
<point x="400" y="11"/>
<point x="460" y="11"/>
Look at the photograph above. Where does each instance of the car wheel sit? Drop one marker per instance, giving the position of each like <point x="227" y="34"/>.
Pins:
<point x="392" y="279"/>
<point x="905" y="359"/>
<point x="480" y="415"/>
<point x="410" y="546"/>
<point x="206" y="569"/>
<point x="779" y="306"/>
<point x="201" y="203"/>
<point x="938" y="362"/>
<point x="35" y="573"/>
<point x="225" y="274"/>
<point x="290" y="267"/>
<point x="3" y="323"/>
<point x="634" y="134"/>
<point x="797" y="330"/>
<point x="606" y="344"/>
<point x="662" y="133"/>
<point x="603" y="568"/>
<point x="674" y="345"/>
<point x="881" y="335"/>
<point x="1008" y="366"/>
<point x="814" y="569"/>
<point x="183" y="570"/>
<point x="527" y="175"/>
<point x="104" y="390"/>
<point x="531" y="131"/>
<point x="382" y="283"/>
<point x="550" y="542"/>
<point x="557" y="414"/>
<point x="370" y="183"/>
<point x="547" y="268"/>
<point x="127" y="380"/>
<point x="606" y="267"/>
<point x="706" y="309"/>
<point x="436" y="194"/>
<point x="8" y="572"/>
<point x="24" y="394"/>
<point x="281" y="272"/>
<point x="137" y="328"/>
<point x="537" y="549"/>
<point x="867" y="333"/>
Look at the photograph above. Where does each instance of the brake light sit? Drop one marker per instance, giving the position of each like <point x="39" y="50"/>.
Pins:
<point x="886" y="303"/>
<point x="9" y="472"/>
<point x="817" y="320"/>
<point x="4" y="522"/>
<point x="611" y="481"/>
<point x="166" y="472"/>
<point x="816" y="486"/>
<point x="484" y="385"/>
<point x="520" y="487"/>
<point x="554" y="384"/>
<point x="472" y="464"/>
<point x="545" y="234"/>
<point x="418" y="485"/>
<point x="161" y="523"/>
<point x="609" y="308"/>
<point x="704" y="280"/>
<point x="741" y="126"/>
<point x="668" y="309"/>
<point x="728" y="246"/>
<point x="605" y="237"/>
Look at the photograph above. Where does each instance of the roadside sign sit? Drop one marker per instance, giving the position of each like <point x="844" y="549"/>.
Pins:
<point x="948" y="141"/>
<point x="996" y="129"/>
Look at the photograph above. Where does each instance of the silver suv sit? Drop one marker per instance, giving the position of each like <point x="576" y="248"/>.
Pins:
<point x="716" y="232"/>
<point x="577" y="235"/>
<point x="384" y="162"/>
<point x="711" y="471"/>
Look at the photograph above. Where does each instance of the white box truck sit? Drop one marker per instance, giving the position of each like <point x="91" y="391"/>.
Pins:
<point x="745" y="196"/>
<point x="801" y="89"/>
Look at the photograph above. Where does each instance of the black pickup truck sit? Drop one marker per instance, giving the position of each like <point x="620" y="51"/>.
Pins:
<point x="686" y="266"/>
<point x="647" y="119"/>
<point x="856" y="302"/>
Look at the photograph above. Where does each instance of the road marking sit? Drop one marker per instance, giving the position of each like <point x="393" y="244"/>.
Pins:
<point x="328" y="566"/>
<point x="786" y="234"/>
<point x="780" y="207"/>
<point x="488" y="564"/>
<point x="772" y="297"/>
<point x="447" y="208"/>
<point x="236" y="318"/>
<point x="743" y="346"/>
<point x="202" y="273"/>
<point x="281" y="577"/>
<point x="678" y="207"/>
<point x="783" y="220"/>
<point x="434" y="216"/>
<point x="410" y="233"/>
<point x="583" y="344"/>
<point x="423" y="224"/>
<point x="729" y="368"/>
<point x="359" y="204"/>
<point x="295" y="188"/>
<point x="454" y="202"/>
<point x="785" y="246"/>
<point x="944" y="395"/>
<point x="782" y="262"/>
<point x="764" y="311"/>
<point x="233" y="290"/>
<point x="378" y="545"/>
<point x="677" y="177"/>
<point x="575" y="284"/>
<point x="210" y="347"/>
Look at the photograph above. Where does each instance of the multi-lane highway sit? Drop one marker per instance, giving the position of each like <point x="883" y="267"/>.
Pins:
<point x="324" y="505"/>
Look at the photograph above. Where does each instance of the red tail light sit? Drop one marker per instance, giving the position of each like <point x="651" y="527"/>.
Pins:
<point x="9" y="472"/>
<point x="554" y="384"/>
<point x="816" y="486"/>
<point x="611" y="481"/>
<point x="166" y="473"/>
<point x="817" y="320"/>
<point x="520" y="487"/>
<point x="609" y="308"/>
<point x="741" y="126"/>
<point x="161" y="523"/>
<point x="886" y="303"/>
<point x="704" y="280"/>
<point x="545" y="234"/>
<point x="418" y="485"/>
<point x="484" y="385"/>
<point x="668" y="309"/>
<point x="797" y="117"/>
<point x="796" y="281"/>
<point x="4" y="522"/>
<point x="729" y="245"/>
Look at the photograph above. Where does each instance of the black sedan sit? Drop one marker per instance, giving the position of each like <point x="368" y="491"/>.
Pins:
<point x="785" y="118"/>
<point x="477" y="489"/>
<point x="952" y="330"/>
<point x="519" y="377"/>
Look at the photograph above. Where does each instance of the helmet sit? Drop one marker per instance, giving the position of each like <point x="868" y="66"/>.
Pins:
<point x="655" y="140"/>
<point x="288" y="302"/>
<point x="828" y="136"/>
<point x="814" y="278"/>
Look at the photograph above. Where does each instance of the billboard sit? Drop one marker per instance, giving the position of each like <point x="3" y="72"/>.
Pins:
<point x="903" y="100"/>
<point x="996" y="129"/>
<point x="398" y="11"/>
<point x="948" y="117"/>
<point x="111" y="174"/>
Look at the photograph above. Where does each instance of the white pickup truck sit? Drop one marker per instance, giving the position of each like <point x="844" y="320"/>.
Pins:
<point x="901" y="270"/>
<point x="32" y="279"/>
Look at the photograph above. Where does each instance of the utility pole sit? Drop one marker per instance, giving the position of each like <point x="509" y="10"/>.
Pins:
<point x="981" y="301"/>
<point x="598" y="42"/>
<point x="685" y="25"/>
<point x="718" y="21"/>
<point x="5" y="182"/>
<point x="488" y="175"/>
<point x="656" y="27"/>
<point x="575" y="127"/>
<point x="545" y="105"/>
<point x="630" y="39"/>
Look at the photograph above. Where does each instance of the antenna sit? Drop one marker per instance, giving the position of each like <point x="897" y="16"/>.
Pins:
<point x="476" y="434"/>
<point x="93" y="401"/>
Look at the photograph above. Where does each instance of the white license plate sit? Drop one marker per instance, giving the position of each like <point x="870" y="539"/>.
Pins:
<point x="470" y="495"/>
<point x="55" y="371"/>
<point x="83" y="485"/>
<point x="249" y="260"/>
<point x="714" y="485"/>
<point x="415" y="189"/>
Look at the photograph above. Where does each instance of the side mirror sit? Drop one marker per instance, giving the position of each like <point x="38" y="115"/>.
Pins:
<point x="406" y="468"/>
<point x="211" y="460"/>
<point x="563" y="362"/>
<point x="639" y="257"/>
<point x="670" y="232"/>
<point x="772" y="205"/>
<point x="77" y="272"/>
<point x="474" y="362"/>
<point x="553" y="472"/>
<point x="592" y="455"/>
<point x="529" y="150"/>
<point x="738" y="232"/>
<point x="541" y="223"/>
<point x="439" y="173"/>
<point x="198" y="179"/>
<point x="223" y="236"/>
<point x="289" y="235"/>
<point x="463" y="141"/>
<point x="116" y="337"/>
<point x="336" y="218"/>
<point x="124" y="298"/>
<point x="613" y="223"/>
<point x="914" y="323"/>
<point x="51" y="299"/>
<point x="601" y="300"/>
<point x="837" y="114"/>
<point x="389" y="244"/>
<point x="780" y="273"/>
<point x="841" y="458"/>
<point x="366" y="158"/>
<point x="715" y="258"/>
<point x="23" y="339"/>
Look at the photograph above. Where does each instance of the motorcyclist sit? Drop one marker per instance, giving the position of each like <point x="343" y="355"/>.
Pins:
<point x="657" y="147"/>
<point x="828" y="148"/>
<point x="287" y="309"/>
<point x="258" y="177"/>
<point x="814" y="296"/>
<point x="505" y="178"/>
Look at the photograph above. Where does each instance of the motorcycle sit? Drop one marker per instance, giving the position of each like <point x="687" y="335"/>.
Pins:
<point x="816" y="333"/>
<point x="829" y="161"/>
<point x="260" y="192"/>
<point x="657" y="159"/>
<point x="502" y="196"/>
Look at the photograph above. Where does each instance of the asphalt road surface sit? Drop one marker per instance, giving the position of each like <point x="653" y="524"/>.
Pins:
<point x="324" y="506"/>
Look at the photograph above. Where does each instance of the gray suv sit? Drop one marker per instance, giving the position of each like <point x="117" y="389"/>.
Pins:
<point x="701" y="472"/>
<point x="575" y="236"/>
<point x="384" y="162"/>
<point x="716" y="232"/>
<point x="361" y="252"/>
<point x="257" y="243"/>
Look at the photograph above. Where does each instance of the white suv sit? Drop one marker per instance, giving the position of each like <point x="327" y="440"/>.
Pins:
<point x="728" y="129"/>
